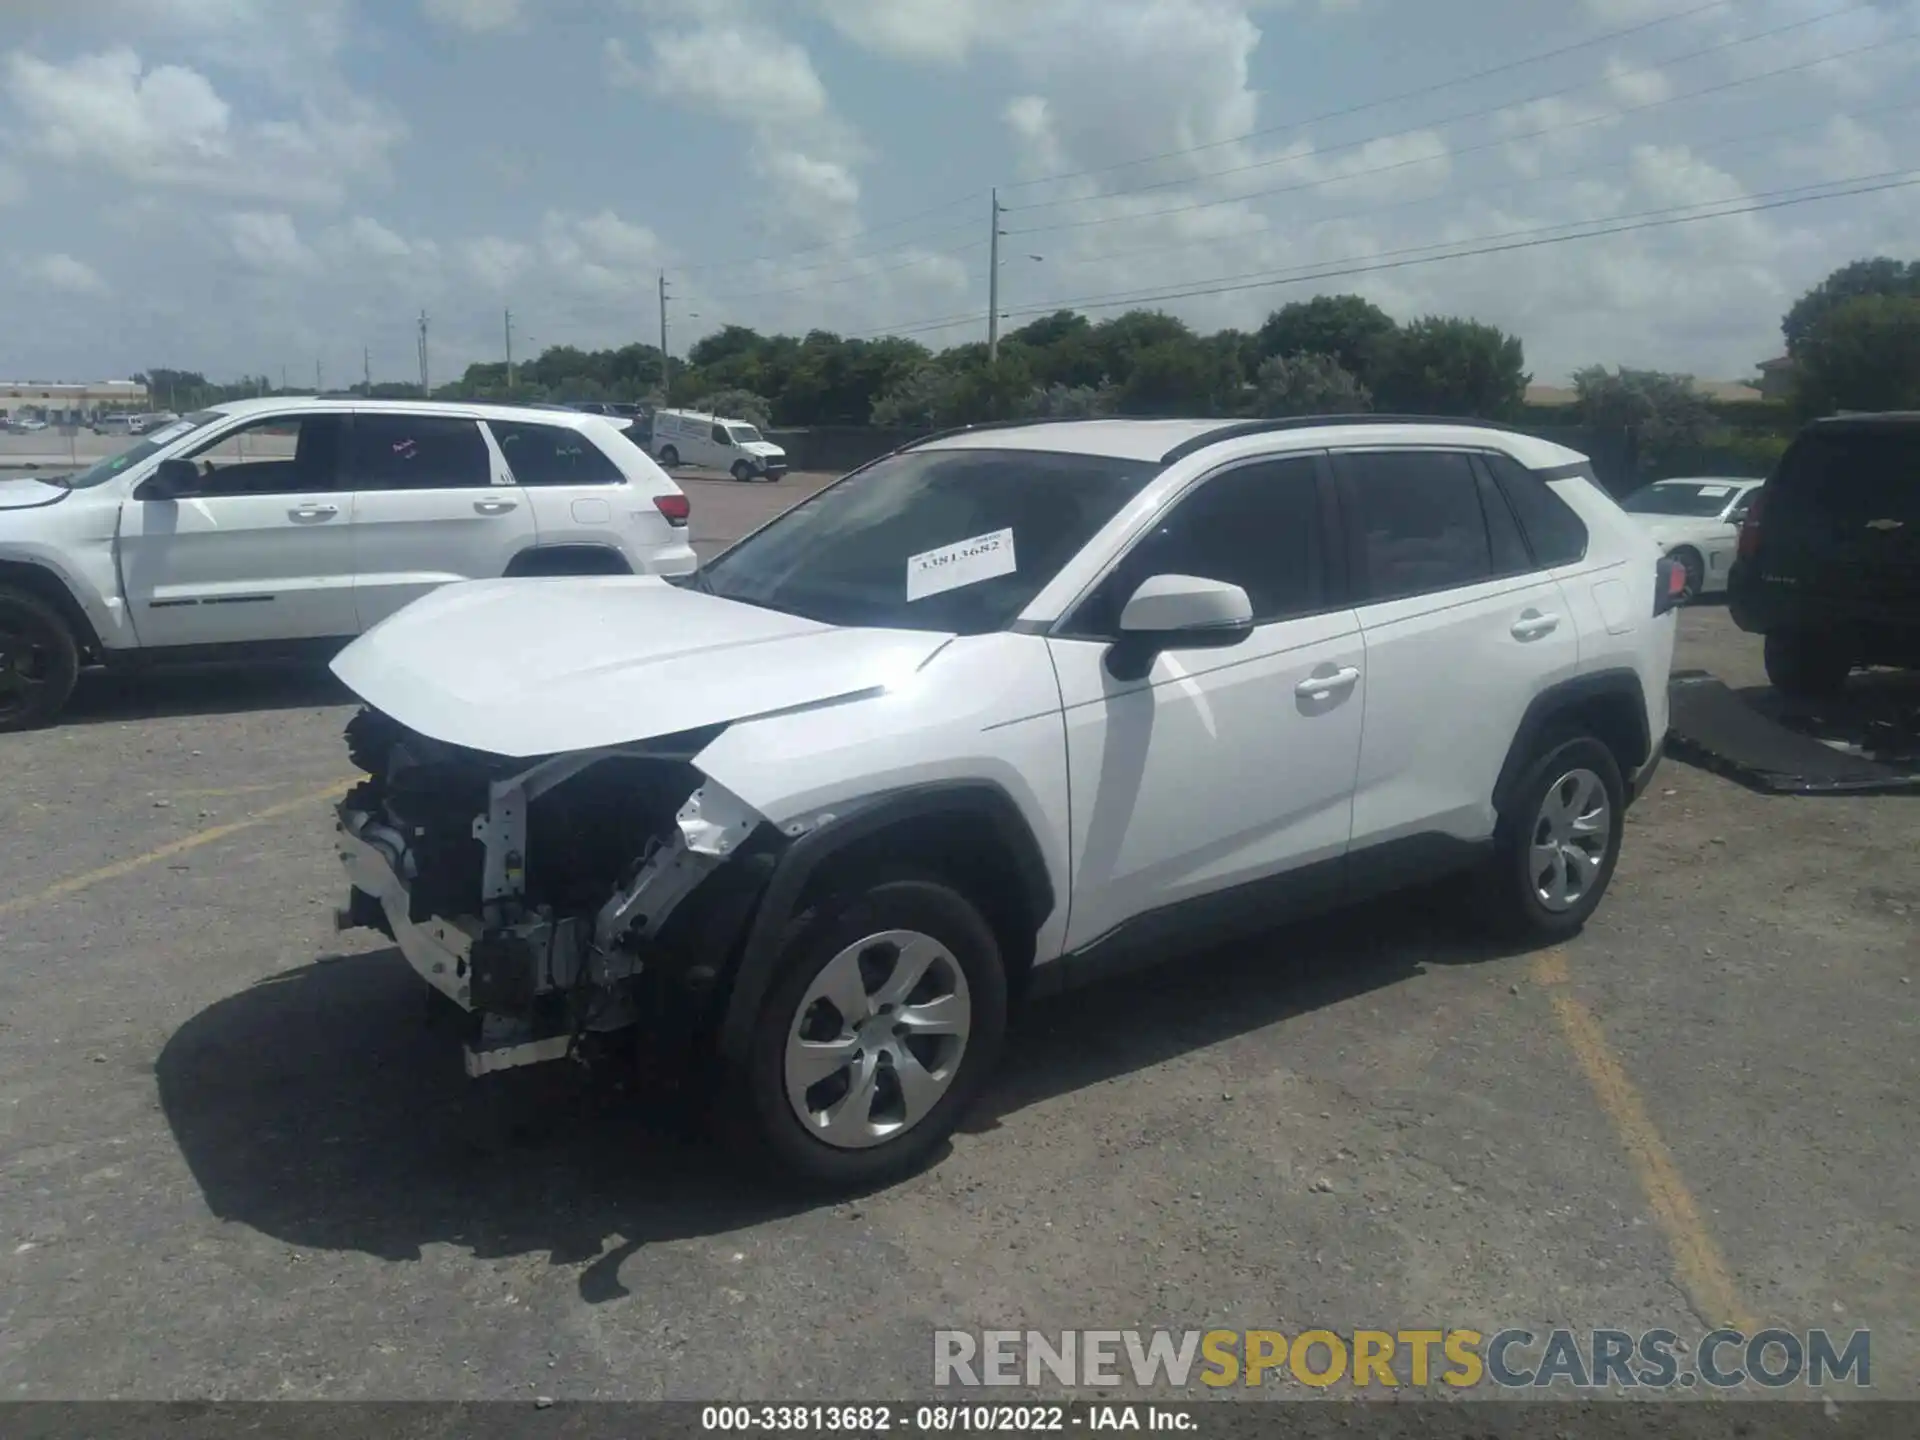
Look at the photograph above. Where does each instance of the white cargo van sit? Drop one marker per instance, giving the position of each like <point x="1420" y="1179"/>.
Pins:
<point x="689" y="437"/>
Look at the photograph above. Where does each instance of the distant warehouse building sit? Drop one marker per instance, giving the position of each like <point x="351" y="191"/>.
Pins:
<point x="61" y="402"/>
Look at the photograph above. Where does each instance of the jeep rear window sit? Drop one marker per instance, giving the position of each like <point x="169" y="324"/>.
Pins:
<point x="1855" y="476"/>
<point x="844" y="556"/>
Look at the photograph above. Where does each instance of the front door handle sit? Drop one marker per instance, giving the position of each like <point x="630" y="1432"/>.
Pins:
<point x="1325" y="687"/>
<point x="493" y="507"/>
<point x="313" y="512"/>
<point x="1532" y="625"/>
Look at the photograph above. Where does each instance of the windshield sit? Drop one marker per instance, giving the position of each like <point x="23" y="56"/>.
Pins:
<point x="152" y="444"/>
<point x="947" y="540"/>
<point x="1699" y="499"/>
<point x="743" y="434"/>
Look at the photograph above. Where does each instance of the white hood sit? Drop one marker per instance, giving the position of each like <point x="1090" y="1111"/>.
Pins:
<point x="765" y="449"/>
<point x="542" y="667"/>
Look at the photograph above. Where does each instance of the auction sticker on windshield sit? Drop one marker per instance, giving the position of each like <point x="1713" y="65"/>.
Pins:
<point x="966" y="562"/>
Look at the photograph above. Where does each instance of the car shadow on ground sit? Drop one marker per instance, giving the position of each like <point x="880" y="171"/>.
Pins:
<point x="105" y="697"/>
<point x="322" y="1108"/>
<point x="1877" y="715"/>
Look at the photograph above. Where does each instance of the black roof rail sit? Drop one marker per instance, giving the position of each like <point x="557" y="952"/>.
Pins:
<point x="1240" y="429"/>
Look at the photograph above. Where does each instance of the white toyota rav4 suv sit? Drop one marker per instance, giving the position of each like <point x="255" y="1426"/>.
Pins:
<point x="998" y="712"/>
<point x="277" y="526"/>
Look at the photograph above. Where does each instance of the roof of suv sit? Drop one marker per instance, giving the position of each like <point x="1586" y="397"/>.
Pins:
<point x="1165" y="441"/>
<point x="478" y="410"/>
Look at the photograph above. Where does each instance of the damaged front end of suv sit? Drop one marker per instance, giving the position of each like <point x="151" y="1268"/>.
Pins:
<point x="555" y="901"/>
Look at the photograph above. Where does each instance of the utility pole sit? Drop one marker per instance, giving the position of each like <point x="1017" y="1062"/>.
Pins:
<point x="993" y="284"/>
<point x="283" y="379"/>
<point x="366" y="368"/>
<point x="319" y="379"/>
<point x="666" y="361"/>
<point x="425" y="391"/>
<point x="509" y="354"/>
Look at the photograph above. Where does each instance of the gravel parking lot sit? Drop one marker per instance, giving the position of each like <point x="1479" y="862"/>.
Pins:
<point x="237" y="1162"/>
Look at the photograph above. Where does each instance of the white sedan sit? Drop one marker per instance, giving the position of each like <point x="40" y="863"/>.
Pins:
<point x="1697" y="522"/>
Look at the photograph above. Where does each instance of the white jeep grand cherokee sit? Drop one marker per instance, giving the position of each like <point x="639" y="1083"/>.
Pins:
<point x="996" y="713"/>
<point x="275" y="527"/>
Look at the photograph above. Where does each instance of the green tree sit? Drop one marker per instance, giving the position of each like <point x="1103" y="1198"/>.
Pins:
<point x="1878" y="276"/>
<point x="927" y="396"/>
<point x="1308" y="385"/>
<point x="1864" y="354"/>
<point x="1078" y="402"/>
<point x="1664" y="413"/>
<point x="737" y="405"/>
<point x="1444" y="365"/>
<point x="1350" y="328"/>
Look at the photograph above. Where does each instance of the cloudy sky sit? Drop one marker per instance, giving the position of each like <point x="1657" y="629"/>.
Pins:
<point x="237" y="186"/>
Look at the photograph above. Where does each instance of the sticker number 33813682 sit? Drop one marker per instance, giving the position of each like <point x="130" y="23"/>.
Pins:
<point x="965" y="562"/>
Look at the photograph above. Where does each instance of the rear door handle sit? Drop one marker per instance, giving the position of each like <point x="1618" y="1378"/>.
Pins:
<point x="314" y="512"/>
<point x="1324" y="687"/>
<point x="1533" y="625"/>
<point x="493" y="507"/>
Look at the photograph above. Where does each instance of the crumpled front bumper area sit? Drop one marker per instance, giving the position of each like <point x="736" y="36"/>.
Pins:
<point x="441" y="950"/>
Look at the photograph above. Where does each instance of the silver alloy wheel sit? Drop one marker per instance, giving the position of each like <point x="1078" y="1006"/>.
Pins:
<point x="877" y="1039"/>
<point x="1570" y="838"/>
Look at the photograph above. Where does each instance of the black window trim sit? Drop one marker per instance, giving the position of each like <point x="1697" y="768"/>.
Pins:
<point x="1577" y="470"/>
<point x="1484" y="481"/>
<point x="494" y="447"/>
<point x="1355" y="541"/>
<point x="1334" y="585"/>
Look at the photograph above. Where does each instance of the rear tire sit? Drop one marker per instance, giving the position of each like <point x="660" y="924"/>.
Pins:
<point x="39" y="661"/>
<point x="669" y="456"/>
<point x="1806" y="667"/>
<point x="944" y="1028"/>
<point x="1557" y="841"/>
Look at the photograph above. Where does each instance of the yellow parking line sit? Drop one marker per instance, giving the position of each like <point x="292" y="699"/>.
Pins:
<point x="1698" y="1265"/>
<point x="175" y="847"/>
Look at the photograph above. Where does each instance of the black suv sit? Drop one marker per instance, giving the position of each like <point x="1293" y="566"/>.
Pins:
<point x="1829" y="561"/>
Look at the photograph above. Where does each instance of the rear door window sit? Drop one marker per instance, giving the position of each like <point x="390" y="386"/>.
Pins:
<point x="1852" y="478"/>
<point x="1556" y="535"/>
<point x="1416" y="519"/>
<point x="419" y="452"/>
<point x="553" y="455"/>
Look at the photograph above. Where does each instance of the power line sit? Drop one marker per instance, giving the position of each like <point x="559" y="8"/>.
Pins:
<point x="1539" y="57"/>
<point x="1333" y="270"/>
<point x="1463" y="150"/>
<point x="1726" y="144"/>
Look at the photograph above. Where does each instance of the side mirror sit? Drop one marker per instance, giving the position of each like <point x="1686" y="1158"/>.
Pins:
<point x="170" y="481"/>
<point x="1178" y="612"/>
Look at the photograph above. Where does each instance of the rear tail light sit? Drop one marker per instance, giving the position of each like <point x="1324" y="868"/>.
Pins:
<point x="1670" y="586"/>
<point x="675" y="507"/>
<point x="1750" y="529"/>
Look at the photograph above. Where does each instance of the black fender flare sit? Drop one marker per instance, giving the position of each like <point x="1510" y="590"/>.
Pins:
<point x="798" y="863"/>
<point x="575" y="559"/>
<point x="48" y="584"/>
<point x="1615" y="685"/>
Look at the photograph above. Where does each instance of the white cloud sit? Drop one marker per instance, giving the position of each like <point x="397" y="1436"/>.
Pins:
<point x="741" y="70"/>
<point x="269" y="241"/>
<point x="167" y="125"/>
<point x="477" y="15"/>
<point x="1632" y="84"/>
<point x="65" y="274"/>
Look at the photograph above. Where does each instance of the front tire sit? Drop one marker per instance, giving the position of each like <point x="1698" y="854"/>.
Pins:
<point x="1557" y="841"/>
<point x="884" y="1022"/>
<point x="1806" y="667"/>
<point x="742" y="471"/>
<point x="39" y="661"/>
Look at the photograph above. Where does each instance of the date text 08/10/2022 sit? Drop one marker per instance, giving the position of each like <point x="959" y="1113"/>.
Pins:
<point x="942" y="1419"/>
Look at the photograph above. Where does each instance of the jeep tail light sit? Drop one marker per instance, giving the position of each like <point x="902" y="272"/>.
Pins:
<point x="675" y="507"/>
<point x="1750" y="529"/>
<point x="1671" y="585"/>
